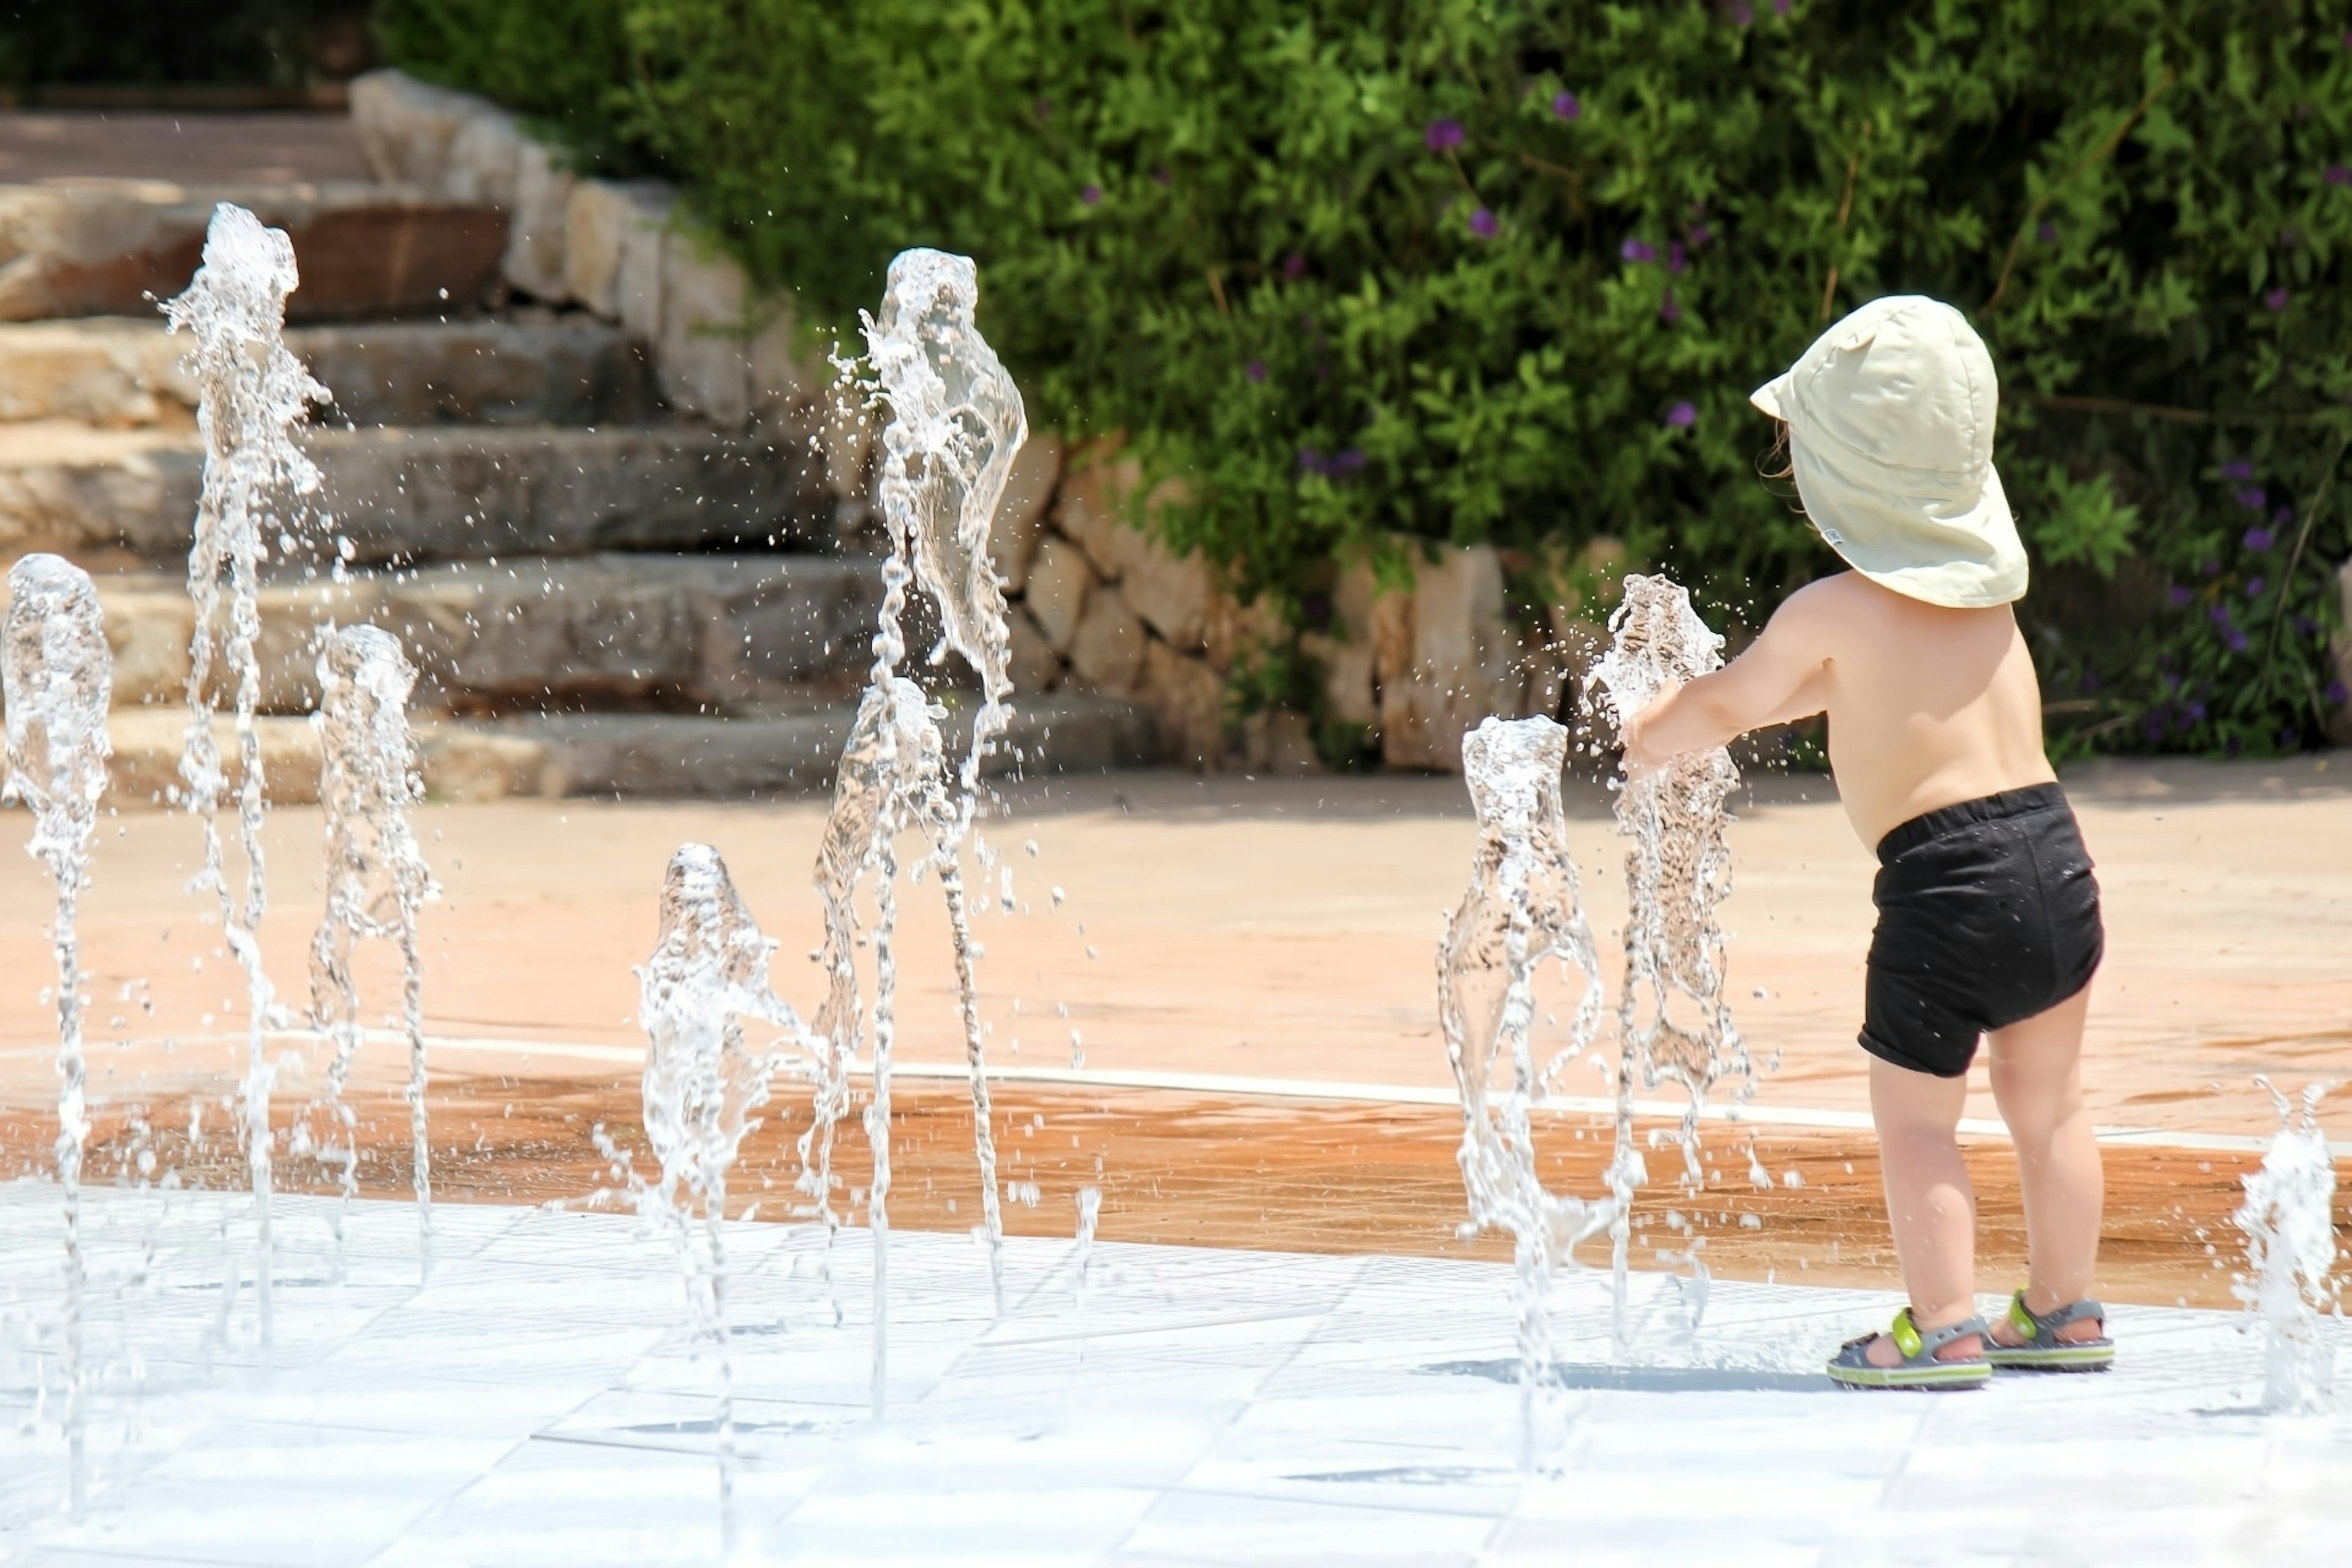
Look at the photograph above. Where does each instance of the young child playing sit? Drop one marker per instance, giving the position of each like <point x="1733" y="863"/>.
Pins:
<point x="1987" y="914"/>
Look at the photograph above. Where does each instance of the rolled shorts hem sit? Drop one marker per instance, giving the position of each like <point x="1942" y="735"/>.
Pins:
<point x="1909" y="1063"/>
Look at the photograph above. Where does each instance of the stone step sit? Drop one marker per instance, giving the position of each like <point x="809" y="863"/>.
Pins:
<point x="405" y="495"/>
<point x="124" y="373"/>
<point x="710" y="633"/>
<point x="631" y="755"/>
<point x="103" y="248"/>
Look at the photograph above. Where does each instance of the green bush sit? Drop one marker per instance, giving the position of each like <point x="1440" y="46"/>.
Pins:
<point x="243" y="43"/>
<point x="1498" y="270"/>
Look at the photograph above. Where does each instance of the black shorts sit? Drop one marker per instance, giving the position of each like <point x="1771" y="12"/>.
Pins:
<point x="1987" y="914"/>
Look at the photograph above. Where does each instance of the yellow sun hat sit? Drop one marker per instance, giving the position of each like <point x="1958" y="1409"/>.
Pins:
<point x="1890" y="418"/>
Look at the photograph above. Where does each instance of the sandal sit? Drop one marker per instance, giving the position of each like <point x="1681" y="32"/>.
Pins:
<point x="1918" y="1368"/>
<point x="2043" y="1350"/>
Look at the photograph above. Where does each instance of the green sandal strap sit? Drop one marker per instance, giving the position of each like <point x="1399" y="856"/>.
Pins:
<point x="2042" y="1328"/>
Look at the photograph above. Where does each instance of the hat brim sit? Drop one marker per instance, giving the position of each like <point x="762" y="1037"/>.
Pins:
<point x="1962" y="552"/>
<point x="1773" y="398"/>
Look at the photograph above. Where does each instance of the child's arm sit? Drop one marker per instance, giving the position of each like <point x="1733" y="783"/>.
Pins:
<point x="1784" y="675"/>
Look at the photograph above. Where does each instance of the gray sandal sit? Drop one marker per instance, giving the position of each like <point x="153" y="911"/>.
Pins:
<point x="2043" y="1350"/>
<point x="1918" y="1368"/>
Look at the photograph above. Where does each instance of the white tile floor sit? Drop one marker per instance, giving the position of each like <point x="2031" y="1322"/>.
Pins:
<point x="540" y="1401"/>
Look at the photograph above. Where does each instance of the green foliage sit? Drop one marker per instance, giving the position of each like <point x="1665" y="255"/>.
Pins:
<point x="1507" y="270"/>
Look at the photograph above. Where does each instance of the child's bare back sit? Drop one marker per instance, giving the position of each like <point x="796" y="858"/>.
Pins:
<point x="1928" y="705"/>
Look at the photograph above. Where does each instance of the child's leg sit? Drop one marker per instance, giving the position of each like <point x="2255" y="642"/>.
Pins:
<point x="1928" y="1200"/>
<point x="2037" y="1083"/>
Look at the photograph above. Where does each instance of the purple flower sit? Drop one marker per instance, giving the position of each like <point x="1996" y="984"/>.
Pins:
<point x="2338" y="174"/>
<point x="2195" y="711"/>
<point x="2154" y="728"/>
<point x="1161" y="174"/>
<point x="2254" y="586"/>
<point x="2209" y="568"/>
<point x="1636" y="250"/>
<point x="2348" y="40"/>
<point x="2234" y="640"/>
<point x="2045" y="231"/>
<point x="1667" y="310"/>
<point x="1675" y="257"/>
<point x="2179" y="595"/>
<point x="2276" y="299"/>
<point x="2237" y="469"/>
<point x="2253" y="496"/>
<point x="2219" y="614"/>
<point x="1779" y="8"/>
<point x="1565" y="107"/>
<point x="2304" y="626"/>
<point x="1255" y="370"/>
<point x="2334" y="694"/>
<point x="1442" y="134"/>
<point x="2282" y="517"/>
<point x="1482" y="223"/>
<point x="2257" y="538"/>
<point x="1349" y="461"/>
<point x="1740" y="15"/>
<point x="1294" y="265"/>
<point x="1699" y="235"/>
<point x="1682" y="415"/>
<point x="1091" y="194"/>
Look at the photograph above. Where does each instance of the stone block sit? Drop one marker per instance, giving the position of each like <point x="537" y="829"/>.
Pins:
<point x="606" y="222"/>
<point x="1234" y="631"/>
<point x="112" y="372"/>
<point x="148" y="626"/>
<point x="145" y="769"/>
<point x="1020" y="520"/>
<point x="1059" y="580"/>
<point x="1186" y="700"/>
<point x="470" y="763"/>
<point x="1034" y="666"/>
<point x="539" y="225"/>
<point x="112" y="247"/>
<point x="701" y="361"/>
<point x="1465" y="660"/>
<point x="1349" y="690"/>
<point x="404" y="126"/>
<point x="1097" y="485"/>
<point x="568" y="372"/>
<point x="1170" y="592"/>
<point x="485" y="159"/>
<point x="1280" y="742"/>
<point x="1107" y="651"/>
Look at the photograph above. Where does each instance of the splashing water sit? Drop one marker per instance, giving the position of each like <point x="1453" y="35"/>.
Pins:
<point x="1672" y="1023"/>
<point x="956" y="423"/>
<point x="376" y="878"/>
<point x="702" y="1083"/>
<point x="251" y="394"/>
<point x="58" y="675"/>
<point x="2290" y="1252"/>
<point x="1523" y="907"/>
<point x="889" y="777"/>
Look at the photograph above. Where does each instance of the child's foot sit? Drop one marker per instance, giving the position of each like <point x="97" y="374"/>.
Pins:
<point x="2072" y="1338"/>
<point x="1907" y="1356"/>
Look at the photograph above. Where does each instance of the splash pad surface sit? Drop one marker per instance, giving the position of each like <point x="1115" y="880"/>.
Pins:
<point x="540" y="1401"/>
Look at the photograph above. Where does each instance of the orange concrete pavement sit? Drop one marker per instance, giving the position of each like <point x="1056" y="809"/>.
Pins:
<point x="1261" y="928"/>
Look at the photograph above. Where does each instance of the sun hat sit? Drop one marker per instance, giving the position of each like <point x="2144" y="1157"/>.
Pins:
<point x="1890" y="418"/>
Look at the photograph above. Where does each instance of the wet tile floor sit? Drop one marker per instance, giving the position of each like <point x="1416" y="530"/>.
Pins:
<point x="542" y="1400"/>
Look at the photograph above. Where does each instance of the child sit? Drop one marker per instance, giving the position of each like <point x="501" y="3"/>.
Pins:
<point x="1987" y="914"/>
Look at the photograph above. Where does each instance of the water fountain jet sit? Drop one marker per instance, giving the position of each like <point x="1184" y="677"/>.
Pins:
<point x="2290" y="1253"/>
<point x="251" y="394"/>
<point x="1523" y="909"/>
<point x="58" y="674"/>
<point x="1677" y="874"/>
<point x="377" y="879"/>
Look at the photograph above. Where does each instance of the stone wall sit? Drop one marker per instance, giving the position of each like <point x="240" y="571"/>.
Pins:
<point x="1099" y="606"/>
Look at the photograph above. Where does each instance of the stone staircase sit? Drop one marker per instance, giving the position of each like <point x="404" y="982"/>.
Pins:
<point x="607" y="589"/>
